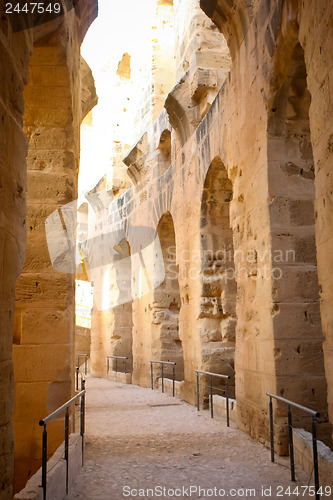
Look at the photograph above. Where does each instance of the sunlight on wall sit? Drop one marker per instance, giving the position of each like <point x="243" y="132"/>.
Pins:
<point x="120" y="27"/>
<point x="106" y="290"/>
<point x="83" y="303"/>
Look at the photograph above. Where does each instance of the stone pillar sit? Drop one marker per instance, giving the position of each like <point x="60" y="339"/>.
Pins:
<point x="316" y="37"/>
<point x="15" y="50"/>
<point x="101" y="326"/>
<point x="44" y="318"/>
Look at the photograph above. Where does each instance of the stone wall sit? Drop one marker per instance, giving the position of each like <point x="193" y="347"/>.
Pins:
<point x="279" y="139"/>
<point x="315" y="37"/>
<point x="44" y="313"/>
<point x="240" y="157"/>
<point x="82" y="341"/>
<point x="41" y="121"/>
<point x="15" y="50"/>
<point x="248" y="154"/>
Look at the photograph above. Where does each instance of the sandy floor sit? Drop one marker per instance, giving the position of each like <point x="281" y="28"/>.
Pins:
<point x="139" y="442"/>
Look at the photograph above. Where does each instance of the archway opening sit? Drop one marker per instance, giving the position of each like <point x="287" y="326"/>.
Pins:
<point x="44" y="317"/>
<point x="166" y="304"/>
<point x="217" y="317"/>
<point x="299" y="364"/>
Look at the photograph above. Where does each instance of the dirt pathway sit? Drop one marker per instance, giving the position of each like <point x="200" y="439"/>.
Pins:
<point x="144" y="444"/>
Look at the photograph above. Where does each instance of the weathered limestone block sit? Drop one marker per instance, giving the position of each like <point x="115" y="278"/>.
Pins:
<point x="203" y="81"/>
<point x="228" y="327"/>
<point x="210" y="335"/>
<point x="102" y="325"/>
<point x="210" y="307"/>
<point x="135" y="159"/>
<point x="304" y="457"/>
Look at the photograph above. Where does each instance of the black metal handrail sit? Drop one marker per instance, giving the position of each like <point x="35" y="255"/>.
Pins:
<point x="226" y="378"/>
<point x="116" y="358"/>
<point x="77" y="376"/>
<point x="85" y="356"/>
<point x="47" y="419"/>
<point x="173" y="374"/>
<point x="314" y="415"/>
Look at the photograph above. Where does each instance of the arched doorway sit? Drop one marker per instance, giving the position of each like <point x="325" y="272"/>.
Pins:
<point x="166" y="344"/>
<point x="298" y="337"/>
<point x="217" y="317"/>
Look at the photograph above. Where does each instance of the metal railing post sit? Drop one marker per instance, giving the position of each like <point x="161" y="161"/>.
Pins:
<point x="77" y="378"/>
<point x="80" y="355"/>
<point x="219" y="375"/>
<point x="227" y="398"/>
<point x="211" y="397"/>
<point x="108" y="367"/>
<point x="173" y="380"/>
<point x="271" y="427"/>
<point x="50" y="417"/>
<point x="315" y="456"/>
<point x="291" y="445"/>
<point x="44" y="462"/>
<point x="314" y="415"/>
<point x="162" y="363"/>
<point x="66" y="445"/>
<point x="82" y="416"/>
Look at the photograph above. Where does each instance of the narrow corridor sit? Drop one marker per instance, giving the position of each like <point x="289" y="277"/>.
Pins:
<point x="139" y="442"/>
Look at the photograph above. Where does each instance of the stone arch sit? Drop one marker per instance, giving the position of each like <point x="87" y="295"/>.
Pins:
<point x="111" y="329"/>
<point x="298" y="337"/>
<point x="44" y="297"/>
<point x="232" y="17"/>
<point x="43" y="354"/>
<point x="217" y="317"/>
<point x="177" y="114"/>
<point x="16" y="49"/>
<point x="166" y="344"/>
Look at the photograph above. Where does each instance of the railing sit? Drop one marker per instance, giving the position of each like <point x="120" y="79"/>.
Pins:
<point x="226" y="378"/>
<point x="124" y="358"/>
<point x="77" y="376"/>
<point x="47" y="419"/>
<point x="85" y="356"/>
<point x="314" y="415"/>
<point x="173" y="374"/>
